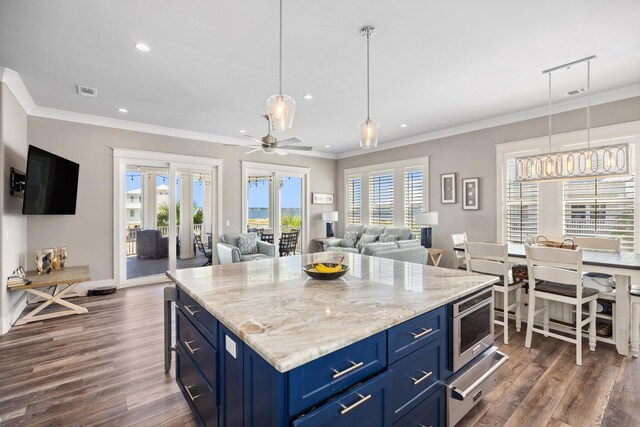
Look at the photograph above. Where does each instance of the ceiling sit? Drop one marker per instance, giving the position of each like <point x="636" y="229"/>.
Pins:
<point x="212" y="65"/>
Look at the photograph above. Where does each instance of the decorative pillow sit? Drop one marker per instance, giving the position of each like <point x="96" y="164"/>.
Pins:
<point x="248" y="243"/>
<point x="385" y="238"/>
<point x="366" y="238"/>
<point x="349" y="239"/>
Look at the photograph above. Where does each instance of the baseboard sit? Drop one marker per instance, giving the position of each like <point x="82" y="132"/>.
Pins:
<point x="7" y="321"/>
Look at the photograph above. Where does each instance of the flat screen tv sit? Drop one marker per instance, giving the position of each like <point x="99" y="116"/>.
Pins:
<point x="51" y="184"/>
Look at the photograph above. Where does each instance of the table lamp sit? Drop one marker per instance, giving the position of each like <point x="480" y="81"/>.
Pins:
<point x="330" y="218"/>
<point x="426" y="219"/>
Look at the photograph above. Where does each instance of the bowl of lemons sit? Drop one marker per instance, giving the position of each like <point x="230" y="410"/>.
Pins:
<point x="326" y="270"/>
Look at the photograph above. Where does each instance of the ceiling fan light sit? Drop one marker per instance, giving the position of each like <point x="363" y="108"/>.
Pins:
<point x="369" y="133"/>
<point x="281" y="109"/>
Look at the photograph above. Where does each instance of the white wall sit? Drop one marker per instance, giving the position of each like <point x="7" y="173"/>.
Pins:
<point x="13" y="226"/>
<point x="89" y="235"/>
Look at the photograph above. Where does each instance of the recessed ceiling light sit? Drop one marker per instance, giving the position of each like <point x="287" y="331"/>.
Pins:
<point x="327" y="146"/>
<point x="142" y="47"/>
<point x="308" y="96"/>
<point x="242" y="131"/>
<point x="123" y="110"/>
<point x="404" y="125"/>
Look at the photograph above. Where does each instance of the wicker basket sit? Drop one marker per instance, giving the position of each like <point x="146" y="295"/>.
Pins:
<point x="565" y="244"/>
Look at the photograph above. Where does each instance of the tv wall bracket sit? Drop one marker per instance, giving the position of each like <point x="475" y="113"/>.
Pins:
<point x="17" y="181"/>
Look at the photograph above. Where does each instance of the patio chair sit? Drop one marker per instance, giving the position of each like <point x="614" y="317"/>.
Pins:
<point x="205" y="251"/>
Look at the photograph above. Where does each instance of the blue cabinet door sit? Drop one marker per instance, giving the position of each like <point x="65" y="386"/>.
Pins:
<point x="232" y="378"/>
<point x="264" y="393"/>
<point x="365" y="405"/>
<point x="196" y="390"/>
<point x="430" y="413"/>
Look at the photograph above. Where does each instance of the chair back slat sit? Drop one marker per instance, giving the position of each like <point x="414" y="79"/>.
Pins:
<point x="598" y="243"/>
<point x="562" y="266"/>
<point x="487" y="258"/>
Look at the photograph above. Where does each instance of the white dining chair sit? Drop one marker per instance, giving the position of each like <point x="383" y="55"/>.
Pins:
<point x="556" y="275"/>
<point x="458" y="242"/>
<point x="635" y="320"/>
<point x="492" y="258"/>
<point x="598" y="243"/>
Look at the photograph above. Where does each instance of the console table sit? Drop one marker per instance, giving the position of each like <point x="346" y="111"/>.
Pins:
<point x="69" y="277"/>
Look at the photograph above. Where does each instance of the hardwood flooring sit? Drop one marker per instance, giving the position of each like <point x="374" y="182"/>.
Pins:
<point x="106" y="368"/>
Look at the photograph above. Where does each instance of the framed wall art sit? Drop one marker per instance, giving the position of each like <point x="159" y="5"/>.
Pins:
<point x="470" y="194"/>
<point x="322" y="198"/>
<point x="448" y="188"/>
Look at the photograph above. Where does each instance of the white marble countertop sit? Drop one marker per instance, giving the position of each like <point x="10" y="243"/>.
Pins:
<point x="290" y="319"/>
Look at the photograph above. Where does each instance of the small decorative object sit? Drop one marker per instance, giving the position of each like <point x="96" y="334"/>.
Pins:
<point x="322" y="198"/>
<point x="448" y="188"/>
<point x="330" y="218"/>
<point x="426" y="219"/>
<point x="470" y="197"/>
<point x="44" y="260"/>
<point x="59" y="257"/>
<point x="326" y="271"/>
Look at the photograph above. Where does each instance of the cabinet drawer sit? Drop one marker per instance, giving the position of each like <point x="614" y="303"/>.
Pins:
<point x="430" y="413"/>
<point x="320" y="379"/>
<point x="417" y="376"/>
<point x="200" y="397"/>
<point x="409" y="336"/>
<point x="200" y="317"/>
<point x="197" y="347"/>
<point x="365" y="405"/>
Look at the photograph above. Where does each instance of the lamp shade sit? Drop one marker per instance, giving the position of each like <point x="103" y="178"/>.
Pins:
<point x="330" y="216"/>
<point x="427" y="218"/>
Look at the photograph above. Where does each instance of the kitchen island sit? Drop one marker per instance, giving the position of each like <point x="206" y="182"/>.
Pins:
<point x="259" y="343"/>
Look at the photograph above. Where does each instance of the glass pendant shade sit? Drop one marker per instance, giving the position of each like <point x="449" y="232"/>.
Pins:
<point x="369" y="133"/>
<point x="281" y="109"/>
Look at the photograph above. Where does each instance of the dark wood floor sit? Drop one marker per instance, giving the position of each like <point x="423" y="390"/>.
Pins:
<point x="106" y="368"/>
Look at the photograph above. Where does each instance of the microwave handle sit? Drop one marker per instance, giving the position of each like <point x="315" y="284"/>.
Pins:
<point x="458" y="394"/>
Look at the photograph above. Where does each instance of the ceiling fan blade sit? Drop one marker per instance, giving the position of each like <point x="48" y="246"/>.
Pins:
<point x="289" y="141"/>
<point x="253" y="138"/>
<point x="282" y="153"/>
<point x="297" y="147"/>
<point x="253" y="151"/>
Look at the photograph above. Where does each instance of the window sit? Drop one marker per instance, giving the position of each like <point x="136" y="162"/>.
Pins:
<point x="381" y="199"/>
<point x="603" y="207"/>
<point x="132" y="213"/>
<point x="412" y="198"/>
<point x="354" y="200"/>
<point x="521" y="210"/>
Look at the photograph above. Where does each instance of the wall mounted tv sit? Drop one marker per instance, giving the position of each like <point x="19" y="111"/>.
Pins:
<point x="51" y="184"/>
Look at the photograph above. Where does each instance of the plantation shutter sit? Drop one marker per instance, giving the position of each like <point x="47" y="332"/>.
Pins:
<point x="413" y="184"/>
<point x="602" y="207"/>
<point x="521" y="215"/>
<point x="354" y="200"/>
<point x="381" y="199"/>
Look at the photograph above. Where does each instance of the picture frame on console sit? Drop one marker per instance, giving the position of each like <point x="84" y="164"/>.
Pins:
<point x="448" y="188"/>
<point x="471" y="194"/>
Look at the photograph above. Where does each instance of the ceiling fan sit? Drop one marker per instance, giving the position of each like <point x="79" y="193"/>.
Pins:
<point x="269" y="144"/>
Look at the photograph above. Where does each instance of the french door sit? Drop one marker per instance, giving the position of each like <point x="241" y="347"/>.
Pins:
<point x="166" y="214"/>
<point x="275" y="199"/>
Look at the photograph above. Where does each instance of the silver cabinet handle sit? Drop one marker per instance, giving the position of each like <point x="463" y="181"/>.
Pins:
<point x="458" y="394"/>
<point x="191" y="396"/>
<point x="353" y="367"/>
<point x="193" y="313"/>
<point x="421" y="334"/>
<point x="363" y="399"/>
<point x="422" y="378"/>
<point x="191" y="350"/>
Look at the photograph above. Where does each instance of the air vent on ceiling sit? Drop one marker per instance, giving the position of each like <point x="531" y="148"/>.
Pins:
<point x="574" y="92"/>
<point x="87" y="91"/>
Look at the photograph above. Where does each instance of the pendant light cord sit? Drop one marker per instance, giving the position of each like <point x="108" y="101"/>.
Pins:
<point x="550" y="113"/>
<point x="588" y="104"/>
<point x="280" y="70"/>
<point x="368" y="35"/>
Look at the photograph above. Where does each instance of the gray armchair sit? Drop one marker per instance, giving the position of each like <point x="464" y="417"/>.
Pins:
<point x="150" y="243"/>
<point x="229" y="252"/>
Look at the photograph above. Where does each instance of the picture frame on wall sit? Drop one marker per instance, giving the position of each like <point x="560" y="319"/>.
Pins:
<point x="471" y="194"/>
<point x="322" y="198"/>
<point x="448" y="188"/>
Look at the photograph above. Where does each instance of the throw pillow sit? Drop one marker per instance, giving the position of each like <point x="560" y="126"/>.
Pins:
<point x="365" y="239"/>
<point x="248" y="243"/>
<point x="385" y="238"/>
<point x="349" y="239"/>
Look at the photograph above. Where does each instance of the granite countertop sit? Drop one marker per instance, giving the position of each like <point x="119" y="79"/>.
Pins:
<point x="290" y="319"/>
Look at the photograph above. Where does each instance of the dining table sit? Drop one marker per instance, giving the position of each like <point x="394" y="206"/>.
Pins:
<point x="624" y="266"/>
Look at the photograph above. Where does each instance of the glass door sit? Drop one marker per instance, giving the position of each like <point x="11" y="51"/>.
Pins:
<point x="259" y="206"/>
<point x="290" y="201"/>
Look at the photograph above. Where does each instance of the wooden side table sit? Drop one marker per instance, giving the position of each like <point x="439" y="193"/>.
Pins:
<point x="70" y="276"/>
<point x="435" y="255"/>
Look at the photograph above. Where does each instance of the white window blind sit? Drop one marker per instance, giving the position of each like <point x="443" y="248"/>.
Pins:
<point x="522" y="206"/>
<point x="603" y="207"/>
<point x="354" y="200"/>
<point x="413" y="183"/>
<point x="381" y="199"/>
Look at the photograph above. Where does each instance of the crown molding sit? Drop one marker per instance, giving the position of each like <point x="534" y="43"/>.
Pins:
<point x="561" y="107"/>
<point x="17" y="87"/>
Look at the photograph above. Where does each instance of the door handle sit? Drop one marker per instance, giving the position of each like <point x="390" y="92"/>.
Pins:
<point x="363" y="399"/>
<point x="422" y="378"/>
<point x="191" y="350"/>
<point x="421" y="334"/>
<point x="193" y="313"/>
<point x="353" y="367"/>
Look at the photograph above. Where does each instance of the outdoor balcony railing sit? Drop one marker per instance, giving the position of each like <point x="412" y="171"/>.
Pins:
<point x="131" y="234"/>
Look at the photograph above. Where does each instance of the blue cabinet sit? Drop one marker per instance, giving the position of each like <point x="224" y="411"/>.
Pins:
<point x="430" y="413"/>
<point x="200" y="396"/>
<point x="413" y="334"/>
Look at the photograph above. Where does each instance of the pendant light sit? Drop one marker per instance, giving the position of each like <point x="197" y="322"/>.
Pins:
<point x="598" y="162"/>
<point x="368" y="128"/>
<point x="280" y="107"/>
